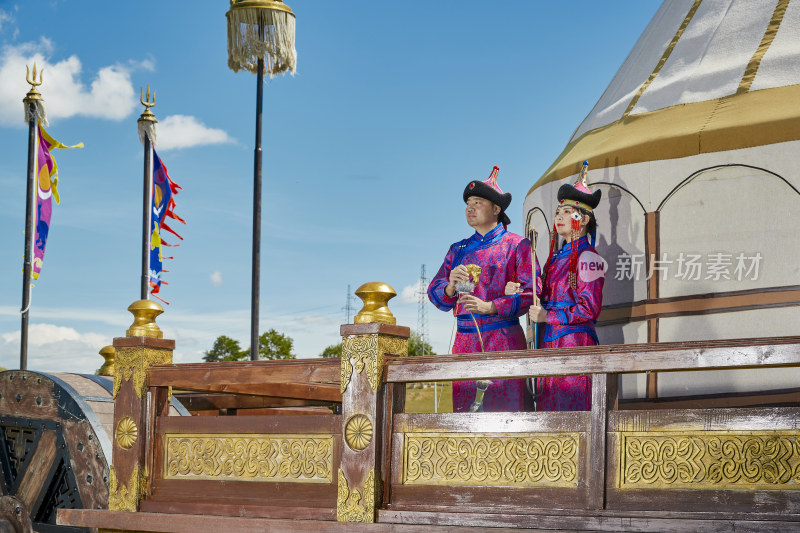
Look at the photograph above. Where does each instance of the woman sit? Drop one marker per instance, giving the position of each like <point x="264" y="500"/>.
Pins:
<point x="572" y="294"/>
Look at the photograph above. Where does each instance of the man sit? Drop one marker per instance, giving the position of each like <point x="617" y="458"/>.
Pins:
<point x="487" y="318"/>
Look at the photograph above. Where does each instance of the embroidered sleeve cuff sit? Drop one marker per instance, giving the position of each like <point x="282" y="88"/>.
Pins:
<point x="440" y="299"/>
<point x="557" y="316"/>
<point x="508" y="306"/>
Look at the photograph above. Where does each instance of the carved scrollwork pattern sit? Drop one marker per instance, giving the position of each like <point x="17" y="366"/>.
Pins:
<point x="764" y="460"/>
<point x="132" y="364"/>
<point x="126" y="497"/>
<point x="356" y="505"/>
<point x="286" y="458"/>
<point x="367" y="351"/>
<point x="509" y="460"/>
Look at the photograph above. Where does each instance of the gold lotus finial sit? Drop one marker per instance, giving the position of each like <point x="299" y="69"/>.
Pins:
<point x="144" y="319"/>
<point x="147" y="103"/>
<point x="33" y="94"/>
<point x="109" y="354"/>
<point x="376" y="296"/>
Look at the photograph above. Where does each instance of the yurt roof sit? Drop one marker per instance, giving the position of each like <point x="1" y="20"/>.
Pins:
<point x="705" y="76"/>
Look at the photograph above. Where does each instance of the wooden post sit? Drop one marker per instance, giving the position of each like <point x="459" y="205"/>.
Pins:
<point x="364" y="416"/>
<point x="597" y="440"/>
<point x="135" y="353"/>
<point x="653" y="253"/>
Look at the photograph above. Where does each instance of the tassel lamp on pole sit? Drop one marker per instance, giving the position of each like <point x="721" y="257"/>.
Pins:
<point x="260" y="40"/>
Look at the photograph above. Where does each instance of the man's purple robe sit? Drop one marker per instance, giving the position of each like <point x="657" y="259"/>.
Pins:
<point x="503" y="257"/>
<point x="571" y="314"/>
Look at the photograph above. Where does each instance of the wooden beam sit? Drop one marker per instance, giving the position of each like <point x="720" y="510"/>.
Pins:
<point x="324" y="392"/>
<point x="38" y="469"/>
<point x="621" y="359"/>
<point x="701" y="304"/>
<point x="195" y="376"/>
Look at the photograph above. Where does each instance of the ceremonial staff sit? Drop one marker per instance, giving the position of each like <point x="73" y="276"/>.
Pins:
<point x="34" y="109"/>
<point x="533" y="343"/>
<point x="146" y="126"/>
<point x="259" y="30"/>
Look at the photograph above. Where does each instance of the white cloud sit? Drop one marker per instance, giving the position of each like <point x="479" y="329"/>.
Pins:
<point x="410" y="293"/>
<point x="55" y="348"/>
<point x="184" y="131"/>
<point x="216" y="278"/>
<point x="5" y="16"/>
<point x="110" y="95"/>
<point x="43" y="334"/>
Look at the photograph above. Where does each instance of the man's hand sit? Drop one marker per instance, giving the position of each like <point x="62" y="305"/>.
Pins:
<point x="459" y="273"/>
<point x="512" y="288"/>
<point x="473" y="304"/>
<point x="537" y="312"/>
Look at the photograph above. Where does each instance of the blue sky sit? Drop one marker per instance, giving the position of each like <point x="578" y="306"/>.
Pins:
<point x="367" y="150"/>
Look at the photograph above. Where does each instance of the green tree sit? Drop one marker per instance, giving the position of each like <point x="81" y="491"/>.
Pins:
<point x="224" y="349"/>
<point x="334" y="350"/>
<point x="274" y="345"/>
<point x="417" y="347"/>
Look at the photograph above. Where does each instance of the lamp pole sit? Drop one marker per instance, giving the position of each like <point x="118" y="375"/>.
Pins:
<point x="260" y="40"/>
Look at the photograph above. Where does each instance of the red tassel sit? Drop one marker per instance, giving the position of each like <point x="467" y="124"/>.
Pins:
<point x="553" y="239"/>
<point x="575" y="228"/>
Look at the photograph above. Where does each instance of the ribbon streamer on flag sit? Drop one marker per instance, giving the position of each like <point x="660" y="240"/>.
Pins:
<point x="163" y="194"/>
<point x="46" y="192"/>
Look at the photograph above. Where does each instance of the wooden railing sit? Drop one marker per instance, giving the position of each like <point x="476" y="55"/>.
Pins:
<point x="604" y="469"/>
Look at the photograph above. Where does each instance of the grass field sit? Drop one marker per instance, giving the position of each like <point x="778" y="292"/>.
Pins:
<point x="420" y="400"/>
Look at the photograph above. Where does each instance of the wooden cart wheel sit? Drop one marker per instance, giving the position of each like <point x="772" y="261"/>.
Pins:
<point x="56" y="443"/>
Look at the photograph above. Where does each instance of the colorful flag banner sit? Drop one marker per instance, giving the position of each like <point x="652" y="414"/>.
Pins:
<point x="163" y="194"/>
<point x="46" y="192"/>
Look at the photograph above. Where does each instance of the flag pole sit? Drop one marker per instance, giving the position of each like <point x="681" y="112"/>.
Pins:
<point x="31" y="101"/>
<point x="146" y="126"/>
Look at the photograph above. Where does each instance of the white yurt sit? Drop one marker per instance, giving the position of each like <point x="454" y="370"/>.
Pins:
<point x="696" y="146"/>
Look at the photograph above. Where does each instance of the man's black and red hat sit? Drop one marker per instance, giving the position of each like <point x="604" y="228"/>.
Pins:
<point x="491" y="191"/>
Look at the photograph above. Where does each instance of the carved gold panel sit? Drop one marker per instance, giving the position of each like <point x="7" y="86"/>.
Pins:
<point x="491" y="459"/>
<point x="356" y="505"/>
<point x="367" y="351"/>
<point x="132" y="364"/>
<point x="126" y="497"/>
<point x="709" y="460"/>
<point x="262" y="457"/>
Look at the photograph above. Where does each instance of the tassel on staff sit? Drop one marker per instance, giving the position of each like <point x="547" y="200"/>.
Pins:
<point x="146" y="126"/>
<point x="42" y="191"/>
<point x="34" y="110"/>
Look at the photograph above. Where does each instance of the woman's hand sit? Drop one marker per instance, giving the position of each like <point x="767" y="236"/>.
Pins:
<point x="512" y="288"/>
<point x="537" y="312"/>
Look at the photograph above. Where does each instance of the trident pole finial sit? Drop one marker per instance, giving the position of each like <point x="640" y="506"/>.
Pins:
<point x="147" y="103"/>
<point x="33" y="94"/>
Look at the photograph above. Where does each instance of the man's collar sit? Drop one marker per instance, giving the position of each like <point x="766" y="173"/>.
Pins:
<point x="496" y="231"/>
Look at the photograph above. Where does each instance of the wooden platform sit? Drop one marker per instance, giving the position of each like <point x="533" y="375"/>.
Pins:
<point x="608" y="469"/>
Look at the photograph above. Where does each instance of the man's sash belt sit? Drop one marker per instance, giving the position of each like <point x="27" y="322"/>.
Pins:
<point x="485" y="323"/>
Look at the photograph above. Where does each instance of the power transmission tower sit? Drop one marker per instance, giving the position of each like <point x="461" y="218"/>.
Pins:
<point x="348" y="309"/>
<point x="422" y="318"/>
